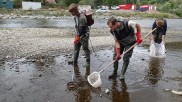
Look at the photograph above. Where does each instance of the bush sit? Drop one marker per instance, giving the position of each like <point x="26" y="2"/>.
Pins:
<point x="17" y="2"/>
<point x="166" y="7"/>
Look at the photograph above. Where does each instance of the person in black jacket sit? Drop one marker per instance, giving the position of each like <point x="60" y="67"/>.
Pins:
<point x="125" y="37"/>
<point x="159" y="34"/>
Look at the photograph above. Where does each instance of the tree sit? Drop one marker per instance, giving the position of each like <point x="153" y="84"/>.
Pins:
<point x="166" y="7"/>
<point x="153" y="1"/>
<point x="87" y="2"/>
<point x="111" y="2"/>
<point x="68" y="2"/>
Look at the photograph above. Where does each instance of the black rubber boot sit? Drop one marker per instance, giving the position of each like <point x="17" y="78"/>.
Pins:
<point x="123" y="70"/>
<point x="115" y="66"/>
<point x="87" y="71"/>
<point x="114" y="74"/>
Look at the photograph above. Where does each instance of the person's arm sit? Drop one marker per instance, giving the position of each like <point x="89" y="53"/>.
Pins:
<point x="118" y="50"/>
<point x="151" y="35"/>
<point x="117" y="46"/>
<point x="138" y="30"/>
<point x="164" y="32"/>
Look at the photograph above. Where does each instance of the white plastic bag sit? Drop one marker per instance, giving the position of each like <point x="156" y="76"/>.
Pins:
<point x="157" y="50"/>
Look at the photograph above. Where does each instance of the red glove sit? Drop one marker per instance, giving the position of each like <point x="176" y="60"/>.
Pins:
<point x="118" y="54"/>
<point x="77" y="38"/>
<point x="139" y="39"/>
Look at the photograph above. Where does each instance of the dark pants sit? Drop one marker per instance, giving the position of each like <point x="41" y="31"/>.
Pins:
<point x="157" y="36"/>
<point x="85" y="45"/>
<point x="126" y="57"/>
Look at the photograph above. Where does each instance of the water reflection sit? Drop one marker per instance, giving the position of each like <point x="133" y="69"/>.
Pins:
<point x="76" y="71"/>
<point x="82" y="92"/>
<point x="155" y="71"/>
<point x="116" y="94"/>
<point x="42" y="62"/>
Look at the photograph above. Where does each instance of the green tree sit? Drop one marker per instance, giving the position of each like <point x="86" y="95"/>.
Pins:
<point x="130" y="1"/>
<point x="166" y="7"/>
<point x="68" y="2"/>
<point x="111" y="2"/>
<point x="87" y="2"/>
<point x="153" y="1"/>
<point x="144" y="2"/>
<point x="61" y="3"/>
<point x="98" y="2"/>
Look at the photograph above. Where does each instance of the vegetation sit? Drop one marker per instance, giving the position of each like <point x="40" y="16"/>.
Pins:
<point x="164" y="6"/>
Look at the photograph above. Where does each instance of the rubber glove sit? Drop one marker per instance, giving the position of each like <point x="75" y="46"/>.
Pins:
<point x="139" y="39"/>
<point x="77" y="38"/>
<point x="118" y="54"/>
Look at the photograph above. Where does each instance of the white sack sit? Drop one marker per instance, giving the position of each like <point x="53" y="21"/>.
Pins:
<point x="157" y="50"/>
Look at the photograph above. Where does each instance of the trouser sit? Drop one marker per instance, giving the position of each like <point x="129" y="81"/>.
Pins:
<point x="157" y="36"/>
<point x="85" y="45"/>
<point x="126" y="58"/>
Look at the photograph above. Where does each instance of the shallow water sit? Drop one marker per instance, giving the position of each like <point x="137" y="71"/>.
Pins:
<point x="45" y="78"/>
<point x="62" y="23"/>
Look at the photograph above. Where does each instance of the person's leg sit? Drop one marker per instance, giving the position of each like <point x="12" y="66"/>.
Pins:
<point x="115" y="65"/>
<point x="76" y="71"/>
<point x="87" y="73"/>
<point x="76" y="53"/>
<point x="85" y="46"/>
<point x="126" y="61"/>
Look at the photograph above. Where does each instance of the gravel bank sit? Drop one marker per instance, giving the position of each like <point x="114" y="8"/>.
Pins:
<point x="24" y="42"/>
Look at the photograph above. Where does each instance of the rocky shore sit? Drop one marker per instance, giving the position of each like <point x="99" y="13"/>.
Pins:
<point x="19" y="42"/>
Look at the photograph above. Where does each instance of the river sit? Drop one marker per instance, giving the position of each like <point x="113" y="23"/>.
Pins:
<point x="61" y="23"/>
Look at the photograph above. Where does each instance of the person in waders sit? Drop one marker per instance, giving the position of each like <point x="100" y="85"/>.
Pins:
<point x="158" y="36"/>
<point x="124" y="36"/>
<point x="82" y="36"/>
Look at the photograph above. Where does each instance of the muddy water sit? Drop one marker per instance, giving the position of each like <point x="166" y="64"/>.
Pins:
<point x="45" y="78"/>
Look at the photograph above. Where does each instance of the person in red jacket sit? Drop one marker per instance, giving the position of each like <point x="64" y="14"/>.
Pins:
<point x="125" y="37"/>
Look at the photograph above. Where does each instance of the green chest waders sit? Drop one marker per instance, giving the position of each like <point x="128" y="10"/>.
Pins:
<point x="125" y="44"/>
<point x="158" y="35"/>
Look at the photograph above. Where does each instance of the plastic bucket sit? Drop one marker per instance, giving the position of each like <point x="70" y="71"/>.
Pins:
<point x="94" y="79"/>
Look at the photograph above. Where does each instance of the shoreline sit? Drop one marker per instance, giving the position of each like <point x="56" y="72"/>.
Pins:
<point x="25" y="42"/>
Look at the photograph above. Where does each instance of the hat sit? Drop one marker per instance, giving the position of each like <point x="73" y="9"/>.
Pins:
<point x="72" y="7"/>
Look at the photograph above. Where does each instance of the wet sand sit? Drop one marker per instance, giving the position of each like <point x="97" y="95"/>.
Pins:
<point x="34" y="67"/>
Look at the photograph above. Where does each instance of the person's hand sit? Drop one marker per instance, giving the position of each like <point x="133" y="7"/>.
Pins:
<point x="139" y="39"/>
<point x="75" y="42"/>
<point x="77" y="38"/>
<point x="118" y="57"/>
<point x="151" y="41"/>
<point x="163" y="42"/>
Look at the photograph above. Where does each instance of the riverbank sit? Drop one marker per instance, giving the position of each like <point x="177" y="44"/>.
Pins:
<point x="41" y="67"/>
<point x="24" y="42"/>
